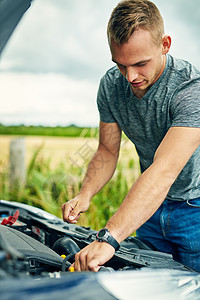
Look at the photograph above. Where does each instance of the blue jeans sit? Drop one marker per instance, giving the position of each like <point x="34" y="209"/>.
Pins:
<point x="175" y="229"/>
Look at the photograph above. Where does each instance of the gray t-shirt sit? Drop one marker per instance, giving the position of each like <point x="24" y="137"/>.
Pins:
<point x="173" y="100"/>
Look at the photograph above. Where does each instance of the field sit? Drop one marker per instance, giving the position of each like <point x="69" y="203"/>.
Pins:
<point x="69" y="131"/>
<point x="55" y="168"/>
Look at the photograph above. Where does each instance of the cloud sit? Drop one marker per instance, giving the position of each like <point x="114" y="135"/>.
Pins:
<point x="62" y="37"/>
<point x="51" y="67"/>
<point x="48" y="99"/>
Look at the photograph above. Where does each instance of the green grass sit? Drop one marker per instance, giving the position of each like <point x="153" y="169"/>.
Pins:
<point x="49" y="188"/>
<point x="69" y="131"/>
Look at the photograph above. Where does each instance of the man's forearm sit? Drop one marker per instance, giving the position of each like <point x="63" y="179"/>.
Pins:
<point x="143" y="199"/>
<point x="99" y="172"/>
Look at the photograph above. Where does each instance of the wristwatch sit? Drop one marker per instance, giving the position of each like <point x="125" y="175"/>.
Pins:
<point x="104" y="235"/>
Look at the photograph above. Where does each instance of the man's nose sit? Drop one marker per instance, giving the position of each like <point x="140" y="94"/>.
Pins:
<point x="131" y="74"/>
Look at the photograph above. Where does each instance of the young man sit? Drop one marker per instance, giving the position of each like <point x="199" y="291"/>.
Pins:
<point x="155" y="99"/>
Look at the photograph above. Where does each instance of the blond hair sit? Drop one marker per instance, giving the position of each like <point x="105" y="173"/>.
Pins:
<point x="130" y="15"/>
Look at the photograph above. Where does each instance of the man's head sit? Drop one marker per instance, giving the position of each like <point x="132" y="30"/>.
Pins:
<point x="137" y="43"/>
<point x="131" y="15"/>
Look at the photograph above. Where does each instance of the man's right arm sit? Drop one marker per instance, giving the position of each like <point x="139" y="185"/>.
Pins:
<point x="99" y="172"/>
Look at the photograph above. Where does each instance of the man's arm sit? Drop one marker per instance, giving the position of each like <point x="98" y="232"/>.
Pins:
<point x="99" y="172"/>
<point x="152" y="187"/>
<point x="145" y="196"/>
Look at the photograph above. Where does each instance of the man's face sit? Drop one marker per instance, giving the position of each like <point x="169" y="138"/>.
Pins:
<point x="140" y="60"/>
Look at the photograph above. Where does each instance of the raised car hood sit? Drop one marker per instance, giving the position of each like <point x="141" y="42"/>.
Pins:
<point x="11" y="12"/>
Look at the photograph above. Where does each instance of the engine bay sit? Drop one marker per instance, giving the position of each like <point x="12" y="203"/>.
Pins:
<point x="40" y="244"/>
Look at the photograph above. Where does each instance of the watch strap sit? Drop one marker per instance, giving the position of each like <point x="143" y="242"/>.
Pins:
<point x="108" y="238"/>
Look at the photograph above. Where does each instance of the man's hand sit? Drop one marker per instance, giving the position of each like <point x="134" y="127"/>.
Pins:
<point x="73" y="208"/>
<point x="93" y="256"/>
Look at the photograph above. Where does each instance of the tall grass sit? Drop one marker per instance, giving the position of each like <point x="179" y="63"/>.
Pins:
<point x="48" y="188"/>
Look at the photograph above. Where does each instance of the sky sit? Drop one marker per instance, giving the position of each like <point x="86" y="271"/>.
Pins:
<point x="51" y="67"/>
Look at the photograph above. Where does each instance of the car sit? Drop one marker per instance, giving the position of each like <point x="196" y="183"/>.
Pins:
<point x="37" y="249"/>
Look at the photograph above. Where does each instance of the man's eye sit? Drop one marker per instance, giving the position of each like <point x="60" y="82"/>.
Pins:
<point x="141" y="64"/>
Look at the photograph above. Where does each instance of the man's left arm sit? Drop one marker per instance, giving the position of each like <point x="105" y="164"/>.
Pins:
<point x="145" y="196"/>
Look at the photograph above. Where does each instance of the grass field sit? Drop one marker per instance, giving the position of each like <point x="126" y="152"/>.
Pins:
<point x="68" y="131"/>
<point x="55" y="168"/>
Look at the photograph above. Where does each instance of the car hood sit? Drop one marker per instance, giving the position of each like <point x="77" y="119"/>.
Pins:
<point x="11" y="13"/>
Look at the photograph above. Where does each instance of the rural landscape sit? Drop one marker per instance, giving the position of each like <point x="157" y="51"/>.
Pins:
<point x="56" y="159"/>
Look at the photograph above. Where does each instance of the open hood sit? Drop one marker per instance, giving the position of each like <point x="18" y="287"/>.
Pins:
<point x="11" y="12"/>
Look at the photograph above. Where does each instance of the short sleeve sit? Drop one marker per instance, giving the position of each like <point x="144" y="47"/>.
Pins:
<point x="186" y="105"/>
<point x="104" y="96"/>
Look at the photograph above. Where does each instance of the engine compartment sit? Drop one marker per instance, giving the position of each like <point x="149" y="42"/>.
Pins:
<point x="40" y="244"/>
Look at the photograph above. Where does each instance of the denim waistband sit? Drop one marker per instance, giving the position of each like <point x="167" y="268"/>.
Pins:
<point x="190" y="202"/>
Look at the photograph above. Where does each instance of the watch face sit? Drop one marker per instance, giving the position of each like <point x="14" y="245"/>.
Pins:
<point x="101" y="233"/>
<point x="104" y="236"/>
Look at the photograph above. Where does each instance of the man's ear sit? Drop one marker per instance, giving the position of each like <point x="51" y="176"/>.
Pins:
<point x="166" y="44"/>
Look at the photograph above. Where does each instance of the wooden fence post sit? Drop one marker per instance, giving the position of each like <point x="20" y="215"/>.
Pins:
<point x="17" y="163"/>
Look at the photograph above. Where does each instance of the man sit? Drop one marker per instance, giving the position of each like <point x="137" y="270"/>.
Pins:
<point x="155" y="99"/>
